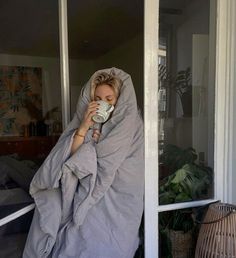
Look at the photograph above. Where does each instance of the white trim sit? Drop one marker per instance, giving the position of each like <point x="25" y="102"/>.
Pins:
<point x="225" y="81"/>
<point x="16" y="214"/>
<point x="65" y="89"/>
<point x="211" y="83"/>
<point x="151" y="23"/>
<point x="184" y="205"/>
<point x="224" y="115"/>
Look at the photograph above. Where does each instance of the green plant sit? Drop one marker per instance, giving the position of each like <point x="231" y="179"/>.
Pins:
<point x="187" y="181"/>
<point x="175" y="158"/>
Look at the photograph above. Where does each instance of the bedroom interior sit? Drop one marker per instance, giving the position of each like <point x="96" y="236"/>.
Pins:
<point x="101" y="34"/>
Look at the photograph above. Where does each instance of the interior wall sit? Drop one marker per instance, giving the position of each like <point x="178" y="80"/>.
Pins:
<point x="80" y="71"/>
<point x="195" y="19"/>
<point x="50" y="76"/>
<point x="128" y="57"/>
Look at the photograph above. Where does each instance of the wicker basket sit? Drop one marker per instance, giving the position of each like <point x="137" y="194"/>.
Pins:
<point x="181" y="244"/>
<point x="217" y="235"/>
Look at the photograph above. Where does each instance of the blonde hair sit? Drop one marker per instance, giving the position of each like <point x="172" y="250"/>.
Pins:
<point x="105" y="78"/>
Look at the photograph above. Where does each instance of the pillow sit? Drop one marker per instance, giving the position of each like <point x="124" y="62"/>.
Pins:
<point x="18" y="171"/>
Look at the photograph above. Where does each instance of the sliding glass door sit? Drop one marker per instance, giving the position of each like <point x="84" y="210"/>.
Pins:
<point x="30" y="113"/>
<point x="179" y="121"/>
<point x="186" y="97"/>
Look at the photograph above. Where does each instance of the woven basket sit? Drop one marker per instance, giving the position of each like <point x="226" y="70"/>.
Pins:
<point x="181" y="244"/>
<point x="217" y="235"/>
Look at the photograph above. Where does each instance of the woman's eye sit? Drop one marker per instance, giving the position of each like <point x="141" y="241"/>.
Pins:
<point x="97" y="98"/>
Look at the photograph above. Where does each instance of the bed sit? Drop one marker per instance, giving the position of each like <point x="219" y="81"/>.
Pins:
<point x="15" y="177"/>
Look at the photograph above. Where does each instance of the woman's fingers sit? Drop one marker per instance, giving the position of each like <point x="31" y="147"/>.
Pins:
<point x="96" y="134"/>
<point x="87" y="119"/>
<point x="89" y="116"/>
<point x="91" y="110"/>
<point x="93" y="106"/>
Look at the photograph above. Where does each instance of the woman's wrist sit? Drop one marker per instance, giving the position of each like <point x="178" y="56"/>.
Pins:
<point x="81" y="131"/>
<point x="79" y="134"/>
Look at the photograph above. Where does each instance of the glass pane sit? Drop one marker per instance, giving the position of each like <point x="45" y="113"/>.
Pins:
<point x="186" y="101"/>
<point x="178" y="231"/>
<point x="13" y="234"/>
<point x="91" y="47"/>
<point x="30" y="101"/>
<point x="103" y="35"/>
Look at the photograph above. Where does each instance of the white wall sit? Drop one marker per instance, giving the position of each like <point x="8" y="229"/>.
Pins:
<point x="128" y="57"/>
<point x="195" y="54"/>
<point x="80" y="71"/>
<point x="196" y="18"/>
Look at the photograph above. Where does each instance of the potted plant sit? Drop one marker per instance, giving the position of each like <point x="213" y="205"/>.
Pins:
<point x="187" y="181"/>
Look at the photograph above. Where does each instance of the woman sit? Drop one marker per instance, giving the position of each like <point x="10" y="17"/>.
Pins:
<point x="89" y="191"/>
<point x="104" y="87"/>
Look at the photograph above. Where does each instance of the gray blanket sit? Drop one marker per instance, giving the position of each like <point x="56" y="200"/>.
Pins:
<point x="89" y="205"/>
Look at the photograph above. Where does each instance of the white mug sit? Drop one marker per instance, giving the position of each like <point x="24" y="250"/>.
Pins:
<point x="103" y="112"/>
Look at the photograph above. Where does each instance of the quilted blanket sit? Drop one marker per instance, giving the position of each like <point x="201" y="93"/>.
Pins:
<point x="90" y="204"/>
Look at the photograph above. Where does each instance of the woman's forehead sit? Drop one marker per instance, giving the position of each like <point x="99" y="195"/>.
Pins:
<point x="104" y="89"/>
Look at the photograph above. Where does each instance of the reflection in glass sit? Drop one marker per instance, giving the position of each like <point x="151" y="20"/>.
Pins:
<point x="30" y="108"/>
<point x="186" y="101"/>
<point x="103" y="35"/>
<point x="178" y="232"/>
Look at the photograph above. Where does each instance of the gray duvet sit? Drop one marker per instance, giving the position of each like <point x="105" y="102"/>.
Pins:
<point x="89" y="205"/>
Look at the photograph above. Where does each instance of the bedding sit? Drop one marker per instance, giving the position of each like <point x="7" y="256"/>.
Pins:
<point x="19" y="171"/>
<point x="93" y="208"/>
<point x="10" y="250"/>
<point x="15" y="178"/>
<point x="14" y="196"/>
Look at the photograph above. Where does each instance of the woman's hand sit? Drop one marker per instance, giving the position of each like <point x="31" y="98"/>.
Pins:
<point x="87" y="120"/>
<point x="96" y="134"/>
<point x="84" y="127"/>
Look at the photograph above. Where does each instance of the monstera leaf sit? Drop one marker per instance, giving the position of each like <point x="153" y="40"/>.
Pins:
<point x="188" y="183"/>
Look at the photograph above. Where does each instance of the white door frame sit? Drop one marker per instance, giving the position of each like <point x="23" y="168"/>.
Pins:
<point x="224" y="104"/>
<point x="224" y="84"/>
<point x="151" y="15"/>
<point x="225" y="79"/>
<point x="64" y="62"/>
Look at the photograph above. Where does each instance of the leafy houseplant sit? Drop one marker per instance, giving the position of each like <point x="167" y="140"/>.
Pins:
<point x="186" y="181"/>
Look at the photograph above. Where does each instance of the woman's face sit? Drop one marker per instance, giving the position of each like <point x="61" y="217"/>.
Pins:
<point x="106" y="93"/>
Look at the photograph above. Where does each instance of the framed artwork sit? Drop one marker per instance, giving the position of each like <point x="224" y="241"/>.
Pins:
<point x="20" y="98"/>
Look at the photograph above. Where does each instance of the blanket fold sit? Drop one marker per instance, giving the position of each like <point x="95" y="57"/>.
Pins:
<point x="91" y="203"/>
